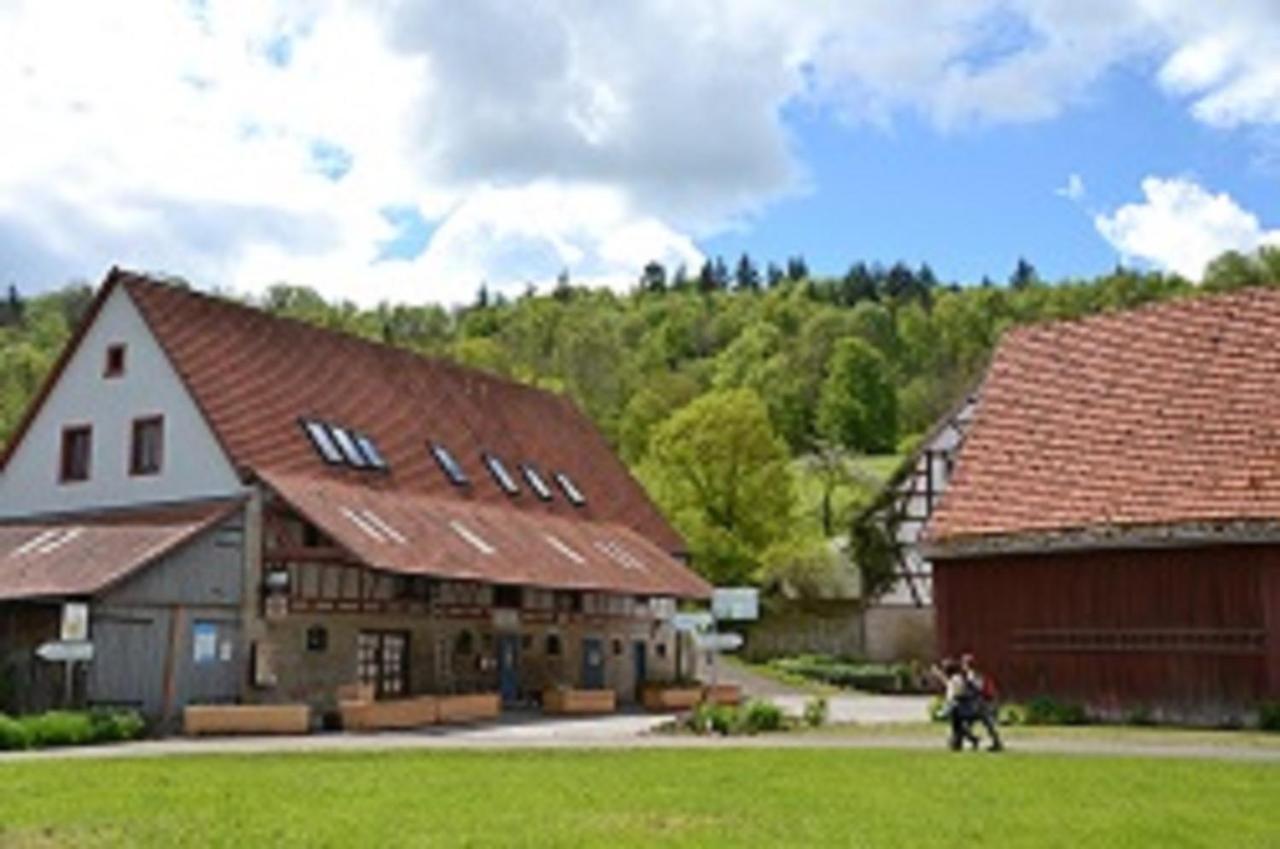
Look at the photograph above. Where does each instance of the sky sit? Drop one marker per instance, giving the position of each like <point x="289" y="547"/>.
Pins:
<point x="410" y="151"/>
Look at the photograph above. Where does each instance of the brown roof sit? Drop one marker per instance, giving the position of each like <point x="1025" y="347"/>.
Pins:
<point x="82" y="555"/>
<point x="427" y="534"/>
<point x="1163" y="416"/>
<point x="253" y="375"/>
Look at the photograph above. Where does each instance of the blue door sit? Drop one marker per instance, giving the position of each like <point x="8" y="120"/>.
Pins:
<point x="509" y="667"/>
<point x="639" y="652"/>
<point x="592" y="664"/>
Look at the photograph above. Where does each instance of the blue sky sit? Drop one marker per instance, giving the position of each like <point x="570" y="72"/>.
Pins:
<point x="412" y="151"/>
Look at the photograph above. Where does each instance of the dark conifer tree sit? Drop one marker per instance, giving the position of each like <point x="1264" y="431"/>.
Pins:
<point x="747" y="276"/>
<point x="1024" y="275"/>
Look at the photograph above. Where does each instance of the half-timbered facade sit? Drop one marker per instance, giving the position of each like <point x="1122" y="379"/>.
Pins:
<point x="258" y="510"/>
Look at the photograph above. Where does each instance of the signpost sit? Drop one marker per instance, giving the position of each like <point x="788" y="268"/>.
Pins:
<point x="61" y="652"/>
<point x="73" y="645"/>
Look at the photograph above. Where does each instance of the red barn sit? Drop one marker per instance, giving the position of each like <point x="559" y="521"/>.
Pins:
<point x="1112" y="532"/>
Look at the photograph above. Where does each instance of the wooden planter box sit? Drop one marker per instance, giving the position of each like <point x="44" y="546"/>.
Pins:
<point x="470" y="708"/>
<point x="664" y="698"/>
<point x="413" y="712"/>
<point x="564" y="702"/>
<point x="246" y="719"/>
<point x="723" y="694"/>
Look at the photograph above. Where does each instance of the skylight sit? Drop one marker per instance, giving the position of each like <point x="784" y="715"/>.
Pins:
<point x="536" y="482"/>
<point x="501" y="475"/>
<point x="620" y="555"/>
<point x="450" y="465"/>
<point x="363" y="524"/>
<point x="347" y="444"/>
<point x="560" y="546"/>
<point x="370" y="451"/>
<point x="574" y="494"/>
<point x="323" y="441"/>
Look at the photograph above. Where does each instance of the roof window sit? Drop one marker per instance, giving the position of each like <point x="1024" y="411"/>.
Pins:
<point x="449" y="464"/>
<point x="500" y="474"/>
<point x="536" y="483"/>
<point x="571" y="492"/>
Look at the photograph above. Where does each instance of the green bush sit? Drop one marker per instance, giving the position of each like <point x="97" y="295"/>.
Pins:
<point x="114" y="726"/>
<point x="59" y="728"/>
<point x="1011" y="714"/>
<point x="13" y="734"/>
<point x="935" y="708"/>
<point x="758" y="715"/>
<point x="1044" y="710"/>
<point x="816" y="712"/>
<point x="1269" y="716"/>
<point x="871" y="677"/>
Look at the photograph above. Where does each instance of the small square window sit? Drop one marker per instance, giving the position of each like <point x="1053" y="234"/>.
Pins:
<point x="114" y="366"/>
<point x="146" y="451"/>
<point x="77" y="452"/>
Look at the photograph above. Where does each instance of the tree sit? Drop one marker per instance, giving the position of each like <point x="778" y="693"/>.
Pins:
<point x="858" y="407"/>
<point x="482" y="297"/>
<point x="797" y="268"/>
<point x="831" y="465"/>
<point x="746" y="276"/>
<point x="721" y="474"/>
<point x="773" y="275"/>
<point x="654" y="277"/>
<point x="1024" y="275"/>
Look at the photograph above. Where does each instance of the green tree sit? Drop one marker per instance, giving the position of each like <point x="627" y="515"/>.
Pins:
<point x="721" y="474"/>
<point x="858" y="407"/>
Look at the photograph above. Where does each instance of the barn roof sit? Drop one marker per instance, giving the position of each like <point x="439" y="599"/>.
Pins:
<point x="82" y="555"/>
<point x="1160" y="424"/>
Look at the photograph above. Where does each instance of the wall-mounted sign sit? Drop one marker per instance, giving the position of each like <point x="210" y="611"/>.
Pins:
<point x="736" y="604"/>
<point x="75" y="622"/>
<point x="204" y="642"/>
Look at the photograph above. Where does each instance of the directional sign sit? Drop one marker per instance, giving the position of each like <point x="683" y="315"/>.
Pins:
<point x="696" y="621"/>
<point x="720" y="642"/>
<point x="65" y="651"/>
<point x="736" y="604"/>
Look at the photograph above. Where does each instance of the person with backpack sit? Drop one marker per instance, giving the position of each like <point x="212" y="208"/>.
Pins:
<point x="958" y="703"/>
<point x="983" y="696"/>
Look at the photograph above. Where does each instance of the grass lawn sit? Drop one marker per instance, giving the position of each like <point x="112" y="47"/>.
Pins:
<point x="721" y="797"/>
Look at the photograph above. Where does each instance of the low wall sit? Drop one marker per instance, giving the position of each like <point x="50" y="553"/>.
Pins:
<point x="412" y="712"/>
<point x="895" y="634"/>
<point x="821" y="627"/>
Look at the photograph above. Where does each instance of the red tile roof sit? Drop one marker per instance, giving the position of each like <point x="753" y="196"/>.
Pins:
<point x="444" y="537"/>
<point x="83" y="555"/>
<point x="254" y="375"/>
<point x="1167" y="415"/>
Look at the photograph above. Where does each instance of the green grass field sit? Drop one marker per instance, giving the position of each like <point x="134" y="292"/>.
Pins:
<point x="722" y="797"/>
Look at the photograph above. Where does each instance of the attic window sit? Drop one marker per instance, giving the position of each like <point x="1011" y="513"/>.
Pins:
<point x="572" y="492"/>
<point x="449" y="465"/>
<point x="346" y="443"/>
<point x="77" y="449"/>
<point x="501" y="475"/>
<point x="114" y="366"/>
<point x="370" y="451"/>
<point x="322" y="439"/>
<point x="535" y="480"/>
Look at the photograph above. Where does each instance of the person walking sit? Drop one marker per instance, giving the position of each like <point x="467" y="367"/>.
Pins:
<point x="958" y="703"/>
<point x="982" y="691"/>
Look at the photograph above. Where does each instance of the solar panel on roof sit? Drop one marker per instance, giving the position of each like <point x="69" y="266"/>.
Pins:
<point x="572" y="492"/>
<point x="320" y="437"/>
<point x="450" y="465"/>
<point x="501" y="475"/>
<point x="536" y="482"/>
<point x="347" y="444"/>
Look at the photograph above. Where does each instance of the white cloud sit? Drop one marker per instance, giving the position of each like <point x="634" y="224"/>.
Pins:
<point x="1073" y="190"/>
<point x="246" y="143"/>
<point x="1181" y="227"/>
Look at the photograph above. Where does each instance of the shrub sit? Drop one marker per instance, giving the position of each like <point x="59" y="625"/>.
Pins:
<point x="59" y="728"/>
<point x="758" y="715"/>
<point x="816" y="712"/>
<point x="1012" y="714"/>
<point x="872" y="677"/>
<point x="113" y="726"/>
<point x="936" y="705"/>
<point x="714" y="719"/>
<point x="13" y="734"/>
<point x="1269" y="716"/>
<point x="1044" y="710"/>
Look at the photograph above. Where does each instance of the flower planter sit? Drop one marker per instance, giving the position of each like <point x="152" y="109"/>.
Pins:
<point x="246" y="719"/>
<point x="469" y="708"/>
<point x="564" y="702"/>
<point x="722" y="694"/>
<point x="413" y="712"/>
<point x="665" y="698"/>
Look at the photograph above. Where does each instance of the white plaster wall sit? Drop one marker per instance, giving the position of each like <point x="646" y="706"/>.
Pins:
<point x="194" y="464"/>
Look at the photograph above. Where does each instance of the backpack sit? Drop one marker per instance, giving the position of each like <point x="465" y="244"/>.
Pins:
<point x="987" y="688"/>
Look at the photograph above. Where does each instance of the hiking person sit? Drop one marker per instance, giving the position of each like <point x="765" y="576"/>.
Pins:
<point x="983" y="693"/>
<point x="958" y="703"/>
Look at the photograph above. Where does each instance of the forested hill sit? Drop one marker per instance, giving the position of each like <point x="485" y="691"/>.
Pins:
<point x="860" y="364"/>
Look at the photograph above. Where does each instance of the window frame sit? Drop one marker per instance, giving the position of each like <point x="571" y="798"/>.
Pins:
<point x="500" y="473"/>
<point x="570" y="489"/>
<point x="449" y="464"/>
<point x="317" y="430"/>
<point x="112" y="369"/>
<point x="64" y="455"/>
<point x="536" y="482"/>
<point x="136" y="470"/>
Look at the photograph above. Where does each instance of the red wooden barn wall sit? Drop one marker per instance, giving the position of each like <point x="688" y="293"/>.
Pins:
<point x="1180" y="628"/>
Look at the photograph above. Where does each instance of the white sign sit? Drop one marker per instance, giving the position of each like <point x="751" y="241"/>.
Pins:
<point x="719" y="642"/>
<point x="75" y="622"/>
<point x="696" y="621"/>
<point x="64" y="651"/>
<point x="736" y="604"/>
<point x="204" y="642"/>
